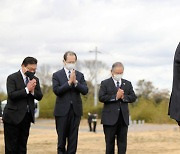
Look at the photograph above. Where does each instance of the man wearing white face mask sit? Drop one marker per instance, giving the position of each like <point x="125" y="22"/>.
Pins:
<point x="68" y="84"/>
<point x="116" y="93"/>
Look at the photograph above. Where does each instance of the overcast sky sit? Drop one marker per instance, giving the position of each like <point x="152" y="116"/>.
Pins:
<point x="142" y="34"/>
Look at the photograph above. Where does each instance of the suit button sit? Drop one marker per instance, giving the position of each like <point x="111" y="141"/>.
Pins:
<point x="71" y="102"/>
<point x="118" y="109"/>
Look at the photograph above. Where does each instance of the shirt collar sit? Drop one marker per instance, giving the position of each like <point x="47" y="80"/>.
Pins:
<point x="66" y="70"/>
<point x="115" y="82"/>
<point x="23" y="75"/>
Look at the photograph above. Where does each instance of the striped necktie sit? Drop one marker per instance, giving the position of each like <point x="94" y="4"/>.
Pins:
<point x="69" y="73"/>
<point x="26" y="81"/>
<point x="117" y="85"/>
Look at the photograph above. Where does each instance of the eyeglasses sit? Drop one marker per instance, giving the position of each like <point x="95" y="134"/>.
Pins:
<point x="31" y="69"/>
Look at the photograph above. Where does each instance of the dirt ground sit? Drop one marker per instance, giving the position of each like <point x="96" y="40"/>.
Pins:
<point x="142" y="139"/>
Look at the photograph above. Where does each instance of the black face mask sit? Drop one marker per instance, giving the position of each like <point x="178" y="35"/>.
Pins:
<point x="30" y="74"/>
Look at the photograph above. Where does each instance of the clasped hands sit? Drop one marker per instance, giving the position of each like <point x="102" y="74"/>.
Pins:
<point x="31" y="85"/>
<point x="72" y="79"/>
<point x="120" y="94"/>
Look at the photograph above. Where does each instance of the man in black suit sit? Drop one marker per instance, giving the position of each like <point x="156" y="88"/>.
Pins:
<point x="116" y="93"/>
<point x="174" y="104"/>
<point x="22" y="88"/>
<point x="94" y="121"/>
<point x="68" y="84"/>
<point x="90" y="117"/>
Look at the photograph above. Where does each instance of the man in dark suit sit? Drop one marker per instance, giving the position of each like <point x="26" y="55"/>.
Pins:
<point x="68" y="84"/>
<point x="90" y="117"/>
<point x="22" y="88"/>
<point x="174" y="104"/>
<point x="94" y="121"/>
<point x="116" y="93"/>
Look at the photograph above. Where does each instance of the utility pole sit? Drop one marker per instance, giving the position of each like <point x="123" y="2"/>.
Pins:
<point x="95" y="77"/>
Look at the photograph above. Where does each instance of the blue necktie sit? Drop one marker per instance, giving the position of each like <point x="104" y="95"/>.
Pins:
<point x="118" y="86"/>
<point x="27" y="80"/>
<point x="69" y="74"/>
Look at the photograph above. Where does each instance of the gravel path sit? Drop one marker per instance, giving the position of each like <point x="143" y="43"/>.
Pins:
<point x="49" y="124"/>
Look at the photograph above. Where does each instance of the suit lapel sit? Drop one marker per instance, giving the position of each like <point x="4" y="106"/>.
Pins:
<point x="63" y="75"/>
<point x="112" y="84"/>
<point x="123" y="84"/>
<point x="114" y="88"/>
<point x="20" y="79"/>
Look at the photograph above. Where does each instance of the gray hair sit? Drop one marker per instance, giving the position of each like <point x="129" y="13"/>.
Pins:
<point x="117" y="64"/>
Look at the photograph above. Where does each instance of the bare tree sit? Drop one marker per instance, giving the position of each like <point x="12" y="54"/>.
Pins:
<point x="144" y="89"/>
<point x="45" y="76"/>
<point x="160" y="95"/>
<point x="147" y="90"/>
<point x="89" y="68"/>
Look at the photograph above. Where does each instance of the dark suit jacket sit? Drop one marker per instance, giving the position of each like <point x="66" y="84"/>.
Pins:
<point x="66" y="94"/>
<point x="107" y="95"/>
<point x="18" y="99"/>
<point x="174" y="104"/>
<point x="90" y="117"/>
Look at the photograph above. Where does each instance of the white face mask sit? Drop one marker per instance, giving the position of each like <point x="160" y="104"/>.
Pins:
<point x="70" y="66"/>
<point x="117" y="77"/>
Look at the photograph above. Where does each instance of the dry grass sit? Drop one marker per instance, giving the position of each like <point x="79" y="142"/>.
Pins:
<point x="43" y="139"/>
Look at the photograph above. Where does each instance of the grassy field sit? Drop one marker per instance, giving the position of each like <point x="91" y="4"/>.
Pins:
<point x="142" y="139"/>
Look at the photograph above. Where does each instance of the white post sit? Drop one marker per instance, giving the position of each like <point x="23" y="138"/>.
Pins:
<point x="95" y="77"/>
<point x="95" y="83"/>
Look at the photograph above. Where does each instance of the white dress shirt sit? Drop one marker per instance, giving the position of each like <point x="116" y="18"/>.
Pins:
<point x="115" y="82"/>
<point x="67" y="72"/>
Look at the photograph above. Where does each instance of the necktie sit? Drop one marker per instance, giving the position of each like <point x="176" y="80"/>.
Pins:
<point x="26" y="81"/>
<point x="117" y="84"/>
<point x="69" y="73"/>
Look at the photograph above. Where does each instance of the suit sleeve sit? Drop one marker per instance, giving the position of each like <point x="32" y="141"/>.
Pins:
<point x="104" y="96"/>
<point x="12" y="92"/>
<point x="57" y="88"/>
<point x="82" y="86"/>
<point x="130" y="97"/>
<point x="177" y="55"/>
<point x="37" y="92"/>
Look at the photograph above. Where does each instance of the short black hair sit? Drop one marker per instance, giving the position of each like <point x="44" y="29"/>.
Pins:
<point x="117" y="64"/>
<point x="29" y="60"/>
<point x="69" y="53"/>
